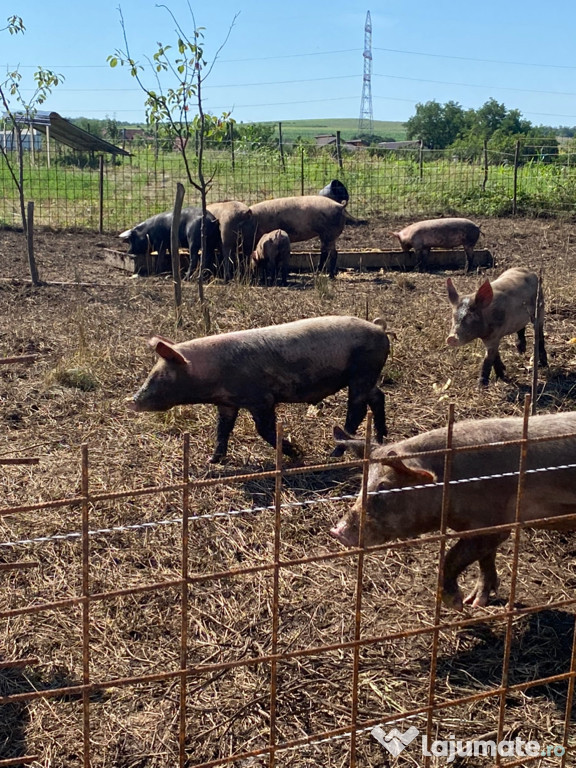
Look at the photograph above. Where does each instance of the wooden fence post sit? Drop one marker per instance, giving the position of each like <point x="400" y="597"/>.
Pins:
<point x="515" y="190"/>
<point x="281" y="143"/>
<point x="174" y="248"/>
<point x="421" y="160"/>
<point x="231" y="132"/>
<point x="101" y="194"/>
<point x="485" y="180"/>
<point x="338" y="150"/>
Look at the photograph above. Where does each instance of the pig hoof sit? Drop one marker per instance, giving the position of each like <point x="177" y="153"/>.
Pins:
<point x="217" y="458"/>
<point x="477" y="599"/>
<point x="453" y="601"/>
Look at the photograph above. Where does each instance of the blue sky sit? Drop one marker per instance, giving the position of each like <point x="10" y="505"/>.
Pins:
<point x="297" y="60"/>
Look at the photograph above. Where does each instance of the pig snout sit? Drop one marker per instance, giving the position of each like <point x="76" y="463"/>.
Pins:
<point x="131" y="403"/>
<point x="453" y="341"/>
<point x="343" y="534"/>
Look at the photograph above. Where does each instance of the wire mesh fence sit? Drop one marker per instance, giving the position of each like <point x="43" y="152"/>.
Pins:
<point x="72" y="189"/>
<point x="271" y="660"/>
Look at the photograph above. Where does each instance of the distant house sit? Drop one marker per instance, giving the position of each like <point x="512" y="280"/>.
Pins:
<point x="129" y="134"/>
<point x="324" y="139"/>
<point x="329" y="139"/>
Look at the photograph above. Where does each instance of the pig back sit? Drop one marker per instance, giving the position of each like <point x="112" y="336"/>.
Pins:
<point x="302" y="361"/>
<point x="441" y="233"/>
<point x="302" y="218"/>
<point x="491" y="499"/>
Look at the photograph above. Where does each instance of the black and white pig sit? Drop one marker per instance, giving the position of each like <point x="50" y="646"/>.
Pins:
<point x="497" y="309"/>
<point x="299" y="362"/>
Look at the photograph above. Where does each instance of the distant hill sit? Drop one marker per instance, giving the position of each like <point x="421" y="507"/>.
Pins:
<point x="348" y="128"/>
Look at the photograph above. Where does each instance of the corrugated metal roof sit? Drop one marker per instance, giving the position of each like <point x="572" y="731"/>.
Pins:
<point x="65" y="132"/>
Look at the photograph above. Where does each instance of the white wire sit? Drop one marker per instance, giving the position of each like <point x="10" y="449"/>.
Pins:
<point x="269" y="508"/>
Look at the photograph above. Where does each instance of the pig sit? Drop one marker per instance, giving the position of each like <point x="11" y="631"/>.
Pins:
<point x="335" y="190"/>
<point x="298" y="362"/>
<point x="480" y="503"/>
<point x="303" y="218"/>
<point x="236" y="235"/>
<point x="439" y="233"/>
<point x="272" y="256"/>
<point x="153" y="234"/>
<point x="497" y="309"/>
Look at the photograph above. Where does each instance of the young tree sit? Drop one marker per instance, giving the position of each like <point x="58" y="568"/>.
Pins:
<point x="23" y="113"/>
<point x="168" y="108"/>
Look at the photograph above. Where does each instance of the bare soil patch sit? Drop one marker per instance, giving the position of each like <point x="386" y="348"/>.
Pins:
<point x="97" y="327"/>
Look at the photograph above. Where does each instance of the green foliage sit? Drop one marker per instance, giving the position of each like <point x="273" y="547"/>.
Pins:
<point x="256" y="135"/>
<point x="437" y="125"/>
<point x="94" y="127"/>
<point x="442" y="126"/>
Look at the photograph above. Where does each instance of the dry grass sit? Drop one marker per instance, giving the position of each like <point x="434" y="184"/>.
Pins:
<point x="92" y="351"/>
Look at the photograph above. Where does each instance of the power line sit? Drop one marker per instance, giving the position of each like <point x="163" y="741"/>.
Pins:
<point x="482" y="61"/>
<point x="475" y="85"/>
<point x="323" y="53"/>
<point x="218" y="61"/>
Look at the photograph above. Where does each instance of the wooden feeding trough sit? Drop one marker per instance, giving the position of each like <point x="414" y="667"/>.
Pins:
<point x="307" y="261"/>
<point x="302" y="261"/>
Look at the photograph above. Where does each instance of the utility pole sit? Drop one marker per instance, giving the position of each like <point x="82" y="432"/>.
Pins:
<point x="365" y="121"/>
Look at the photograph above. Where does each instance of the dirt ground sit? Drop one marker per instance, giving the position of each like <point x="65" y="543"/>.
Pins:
<point x="90" y="336"/>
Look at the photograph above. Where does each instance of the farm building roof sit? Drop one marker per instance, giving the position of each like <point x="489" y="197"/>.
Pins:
<point x="65" y="132"/>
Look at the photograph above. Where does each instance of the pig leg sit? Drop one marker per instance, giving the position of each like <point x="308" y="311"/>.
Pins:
<point x="491" y="360"/>
<point x="226" y="419"/>
<point x="265" y="420"/>
<point x="487" y="582"/>
<point x="421" y="258"/>
<point x="463" y="554"/>
<point x="469" y="251"/>
<point x="377" y="406"/>
<point x="358" y="402"/>
<point x="161" y="260"/>
<point x="521" y="342"/>
<point x="328" y="253"/>
<point x="542" y="356"/>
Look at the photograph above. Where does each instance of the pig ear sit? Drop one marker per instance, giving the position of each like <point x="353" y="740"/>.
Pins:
<point x="417" y="476"/>
<point x="484" y="295"/>
<point x="344" y="439"/>
<point x="166" y="349"/>
<point x="453" y="297"/>
<point x="125" y="235"/>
